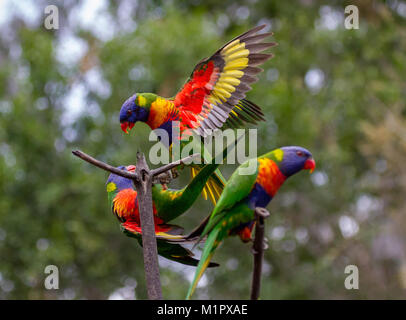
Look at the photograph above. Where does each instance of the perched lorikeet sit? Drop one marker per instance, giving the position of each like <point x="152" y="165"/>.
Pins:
<point x="243" y="193"/>
<point x="167" y="205"/>
<point x="212" y="98"/>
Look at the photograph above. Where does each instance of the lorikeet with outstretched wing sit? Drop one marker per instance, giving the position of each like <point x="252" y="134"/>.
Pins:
<point x="212" y="98"/>
<point x="167" y="205"/>
<point x="243" y="193"/>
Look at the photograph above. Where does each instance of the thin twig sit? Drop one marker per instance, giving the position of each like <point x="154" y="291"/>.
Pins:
<point x="258" y="251"/>
<point x="173" y="164"/>
<point x="127" y="174"/>
<point x="105" y="166"/>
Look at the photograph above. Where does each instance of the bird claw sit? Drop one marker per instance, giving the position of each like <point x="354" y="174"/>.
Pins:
<point x="166" y="177"/>
<point x="262" y="212"/>
<point x="253" y="251"/>
<point x="174" y="173"/>
<point x="265" y="244"/>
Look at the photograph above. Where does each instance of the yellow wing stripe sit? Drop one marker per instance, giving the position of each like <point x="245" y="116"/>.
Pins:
<point x="214" y="100"/>
<point x="236" y="64"/>
<point x="222" y="93"/>
<point x="237" y="55"/>
<point x="217" y="94"/>
<point x="209" y="189"/>
<point x="219" y="190"/>
<point x="236" y="48"/>
<point x="228" y="87"/>
<point x="204" y="193"/>
<point x="233" y="81"/>
<point x="236" y="58"/>
<point x="234" y="73"/>
<point x="194" y="173"/>
<point x="168" y="236"/>
<point x="231" y="45"/>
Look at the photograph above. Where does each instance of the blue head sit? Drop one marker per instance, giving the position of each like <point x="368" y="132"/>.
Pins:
<point x="295" y="159"/>
<point x="117" y="183"/>
<point x="136" y="108"/>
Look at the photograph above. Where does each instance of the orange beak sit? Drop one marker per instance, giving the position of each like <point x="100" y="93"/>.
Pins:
<point x="127" y="126"/>
<point x="131" y="168"/>
<point x="310" y="164"/>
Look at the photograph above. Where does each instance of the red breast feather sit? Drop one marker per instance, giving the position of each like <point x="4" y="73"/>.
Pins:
<point x="125" y="208"/>
<point x="269" y="176"/>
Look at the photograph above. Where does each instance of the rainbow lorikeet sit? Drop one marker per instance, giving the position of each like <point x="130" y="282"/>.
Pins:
<point x="243" y="193"/>
<point x="212" y="98"/>
<point x="167" y="205"/>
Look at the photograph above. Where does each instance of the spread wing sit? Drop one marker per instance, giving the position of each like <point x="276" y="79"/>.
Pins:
<point x="220" y="83"/>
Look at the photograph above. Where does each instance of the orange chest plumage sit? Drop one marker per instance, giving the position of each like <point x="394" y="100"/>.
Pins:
<point x="125" y="206"/>
<point x="161" y="111"/>
<point x="269" y="176"/>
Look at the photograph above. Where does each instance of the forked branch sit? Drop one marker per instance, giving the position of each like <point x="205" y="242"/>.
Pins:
<point x="143" y="179"/>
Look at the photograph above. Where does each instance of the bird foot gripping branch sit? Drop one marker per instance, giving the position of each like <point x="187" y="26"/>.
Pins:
<point x="261" y="214"/>
<point x="165" y="178"/>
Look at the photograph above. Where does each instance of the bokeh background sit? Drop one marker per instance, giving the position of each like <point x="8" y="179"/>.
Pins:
<point x="340" y="93"/>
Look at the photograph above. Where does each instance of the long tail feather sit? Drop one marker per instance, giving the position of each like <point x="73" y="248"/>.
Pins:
<point x="211" y="244"/>
<point x="180" y="254"/>
<point x="171" y="248"/>
<point x="214" y="186"/>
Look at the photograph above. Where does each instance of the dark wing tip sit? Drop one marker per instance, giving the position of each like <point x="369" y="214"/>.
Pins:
<point x="213" y="265"/>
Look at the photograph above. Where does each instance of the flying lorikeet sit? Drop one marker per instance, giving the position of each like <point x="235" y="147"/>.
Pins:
<point x="243" y="193"/>
<point x="212" y="98"/>
<point x="167" y="205"/>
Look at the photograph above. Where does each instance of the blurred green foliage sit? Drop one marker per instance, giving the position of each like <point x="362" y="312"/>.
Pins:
<point x="340" y="93"/>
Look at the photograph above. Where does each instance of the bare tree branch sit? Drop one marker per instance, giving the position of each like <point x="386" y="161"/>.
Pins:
<point x="104" y="166"/>
<point x="258" y="251"/>
<point x="130" y="175"/>
<point x="149" y="245"/>
<point x="173" y="164"/>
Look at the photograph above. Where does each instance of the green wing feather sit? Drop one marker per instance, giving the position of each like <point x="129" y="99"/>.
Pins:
<point x="232" y="218"/>
<point x="211" y="244"/>
<point x="172" y="203"/>
<point x="237" y="188"/>
<point x="216" y="182"/>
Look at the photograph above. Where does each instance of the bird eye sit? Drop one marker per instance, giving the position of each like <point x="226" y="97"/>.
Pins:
<point x="129" y="111"/>
<point x="299" y="153"/>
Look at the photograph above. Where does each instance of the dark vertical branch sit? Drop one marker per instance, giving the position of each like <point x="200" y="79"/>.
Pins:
<point x="258" y="251"/>
<point x="144" y="195"/>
